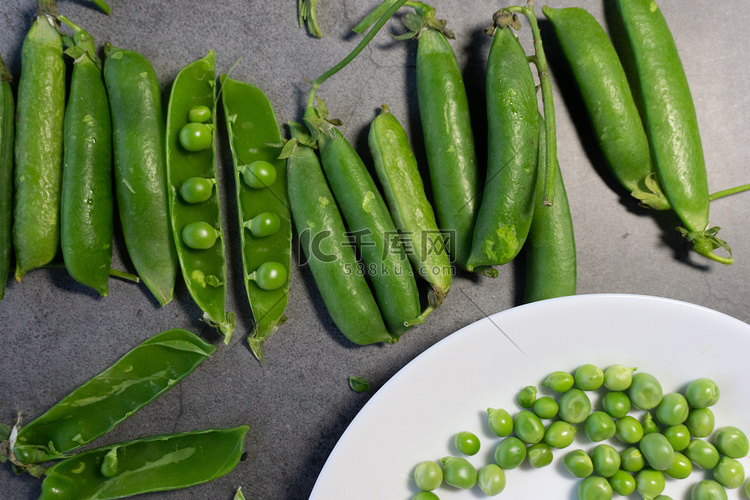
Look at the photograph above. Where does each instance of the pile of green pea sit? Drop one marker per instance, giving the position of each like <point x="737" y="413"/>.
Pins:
<point x="668" y="440"/>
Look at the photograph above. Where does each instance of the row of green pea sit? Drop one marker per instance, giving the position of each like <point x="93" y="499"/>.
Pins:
<point x="668" y="441"/>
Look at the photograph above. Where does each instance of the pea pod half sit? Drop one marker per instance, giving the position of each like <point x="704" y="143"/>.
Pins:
<point x="40" y="115"/>
<point x="204" y="269"/>
<point x="107" y="399"/>
<point x="140" y="171"/>
<point x="158" y="463"/>
<point x="254" y="137"/>
<point x="7" y="134"/>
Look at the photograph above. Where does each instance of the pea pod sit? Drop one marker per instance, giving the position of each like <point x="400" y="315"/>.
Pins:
<point x="157" y="463"/>
<point x="253" y="136"/>
<point x="140" y="171"/>
<point x="40" y="115"/>
<point x="508" y="199"/>
<point x="7" y="134"/>
<point x="671" y="122"/>
<point x="609" y="101"/>
<point x="329" y="254"/>
<point x="204" y="270"/>
<point x="107" y="399"/>
<point x="399" y="177"/>
<point x="87" y="210"/>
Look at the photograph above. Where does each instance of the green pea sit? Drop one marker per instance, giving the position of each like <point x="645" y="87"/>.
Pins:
<point x="467" y="443"/>
<point x="673" y="409"/>
<point x="428" y="475"/>
<point x="729" y="473"/>
<point x="731" y="441"/>
<point x="616" y="404"/>
<point x="264" y="224"/>
<point x="259" y="174"/>
<point x="459" y="472"/>
<point x="199" y="235"/>
<point x="540" y="455"/>
<point x="629" y="430"/>
<point x="663" y="497"/>
<point x="425" y="495"/>
<point x="618" y="377"/>
<point x="657" y="451"/>
<point x="510" y="453"/>
<point x="491" y="480"/>
<point x="648" y="424"/>
<point x="528" y="427"/>
<point x="545" y="407"/>
<point x="645" y="391"/>
<point x="594" y="488"/>
<point x="196" y="137"/>
<point x="678" y="436"/>
<point x="622" y="482"/>
<point x="578" y="463"/>
<point x="559" y="434"/>
<point x="649" y="483"/>
<point x="632" y="460"/>
<point x="199" y="114"/>
<point x="527" y="396"/>
<point x="702" y="453"/>
<point x="559" y="381"/>
<point x="500" y="421"/>
<point x="589" y="377"/>
<point x="700" y="422"/>
<point x="197" y="189"/>
<point x="606" y="460"/>
<point x="269" y="276"/>
<point x="599" y="426"/>
<point x="575" y="406"/>
<point x="747" y="488"/>
<point x="681" y="467"/>
<point x="702" y="393"/>
<point x="109" y="464"/>
<point x="708" y="490"/>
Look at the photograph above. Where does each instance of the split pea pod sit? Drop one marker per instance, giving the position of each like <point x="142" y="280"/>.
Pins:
<point x="40" y="115"/>
<point x="87" y="201"/>
<point x="7" y="134"/>
<point x="671" y="122"/>
<point x="107" y="399"/>
<point x="140" y="173"/>
<point x="609" y="101"/>
<point x="158" y="463"/>
<point x="193" y="198"/>
<point x="329" y="254"/>
<point x="263" y="205"/>
<point x="398" y="172"/>
<point x="508" y="199"/>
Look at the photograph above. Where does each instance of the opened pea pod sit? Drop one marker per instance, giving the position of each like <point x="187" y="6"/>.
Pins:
<point x="193" y="198"/>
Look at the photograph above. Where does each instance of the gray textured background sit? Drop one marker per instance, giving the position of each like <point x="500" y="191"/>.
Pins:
<point x="55" y="334"/>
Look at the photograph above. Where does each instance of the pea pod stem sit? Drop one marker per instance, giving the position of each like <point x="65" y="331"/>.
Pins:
<point x="728" y="192"/>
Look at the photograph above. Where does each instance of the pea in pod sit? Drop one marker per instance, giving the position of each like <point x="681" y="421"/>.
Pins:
<point x="254" y="137"/>
<point x="7" y="134"/>
<point x="107" y="399"/>
<point x="140" y="170"/>
<point x="158" y="463"/>
<point x="188" y="170"/>
<point x="87" y="200"/>
<point x="398" y="172"/>
<point x="40" y="115"/>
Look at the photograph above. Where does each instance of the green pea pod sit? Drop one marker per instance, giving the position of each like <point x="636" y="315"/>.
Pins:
<point x="140" y="171"/>
<point x="7" y="133"/>
<point x="254" y="135"/>
<point x="87" y="201"/>
<point x="508" y="200"/>
<point x="550" y="248"/>
<point x="158" y="463"/>
<point x="670" y="121"/>
<point x="329" y="254"/>
<point x="40" y="115"/>
<point x="204" y="270"/>
<point x="107" y="399"/>
<point x="609" y="101"/>
<point x="398" y="173"/>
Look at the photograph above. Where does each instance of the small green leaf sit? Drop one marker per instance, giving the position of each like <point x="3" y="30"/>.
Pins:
<point x="239" y="495"/>
<point x="414" y="22"/>
<point x="335" y="121"/>
<point x="68" y="41"/>
<point x="74" y="52"/>
<point x="322" y="108"/>
<point x="288" y="149"/>
<point x="358" y="384"/>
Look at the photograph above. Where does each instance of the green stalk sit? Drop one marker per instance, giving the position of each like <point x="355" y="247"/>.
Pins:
<point x="728" y="192"/>
<point x="102" y="5"/>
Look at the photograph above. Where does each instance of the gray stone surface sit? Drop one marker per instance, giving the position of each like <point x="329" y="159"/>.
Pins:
<point x="55" y="334"/>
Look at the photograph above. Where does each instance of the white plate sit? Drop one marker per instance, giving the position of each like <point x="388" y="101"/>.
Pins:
<point x="448" y="388"/>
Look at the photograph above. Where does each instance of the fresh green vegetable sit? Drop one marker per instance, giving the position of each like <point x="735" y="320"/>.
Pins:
<point x="559" y="434"/>
<point x="606" y="460"/>
<point x="629" y="430"/>
<point x="678" y="436"/>
<point x="650" y="483"/>
<point x="428" y="475"/>
<point x="528" y="427"/>
<point x="708" y="490"/>
<point x="540" y="455"/>
<point x="559" y="381"/>
<point x="649" y="424"/>
<point x="7" y="135"/>
<point x="578" y="463"/>
<point x="702" y="453"/>
<point x="195" y="137"/>
<point x="459" y="472"/>
<point x="681" y="467"/>
<point x="657" y="451"/>
<point x="467" y="443"/>
<point x="575" y="406"/>
<point x="545" y="407"/>
<point x="673" y="409"/>
<point x="527" y="396"/>
<point x="599" y="426"/>
<point x="645" y="392"/>
<point x="358" y="384"/>
<point x="622" y="482"/>
<point x="491" y="480"/>
<point x="588" y="377"/>
<point x="731" y="441"/>
<point x="616" y="404"/>
<point x="594" y="488"/>
<point x="500" y="421"/>
<point x="618" y="377"/>
<point x="631" y="459"/>
<point x="510" y="453"/>
<point x="702" y="393"/>
<point x="425" y="495"/>
<point x="729" y="473"/>
<point x="201" y="113"/>
<point x="259" y="174"/>
<point x="700" y="422"/>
